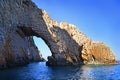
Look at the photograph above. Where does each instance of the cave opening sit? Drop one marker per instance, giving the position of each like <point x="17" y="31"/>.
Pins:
<point x="42" y="46"/>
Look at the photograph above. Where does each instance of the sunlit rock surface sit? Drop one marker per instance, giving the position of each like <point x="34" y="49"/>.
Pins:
<point x="74" y="47"/>
<point x="20" y="20"/>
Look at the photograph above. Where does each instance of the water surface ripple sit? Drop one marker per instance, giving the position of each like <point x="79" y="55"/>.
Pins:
<point x="39" y="71"/>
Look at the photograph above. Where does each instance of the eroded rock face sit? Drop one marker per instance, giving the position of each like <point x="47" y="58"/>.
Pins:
<point x="74" y="47"/>
<point x="21" y="19"/>
<point x="16" y="45"/>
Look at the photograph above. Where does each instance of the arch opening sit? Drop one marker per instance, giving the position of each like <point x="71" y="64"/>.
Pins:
<point x="42" y="46"/>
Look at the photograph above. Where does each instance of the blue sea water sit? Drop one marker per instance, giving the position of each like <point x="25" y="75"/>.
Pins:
<point x="39" y="71"/>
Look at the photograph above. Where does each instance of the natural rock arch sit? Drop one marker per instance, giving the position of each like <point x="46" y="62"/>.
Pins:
<point x="21" y="19"/>
<point x="59" y="44"/>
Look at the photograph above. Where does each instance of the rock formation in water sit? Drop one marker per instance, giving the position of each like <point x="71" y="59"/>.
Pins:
<point x="73" y="47"/>
<point x="20" y="20"/>
<point x="16" y="42"/>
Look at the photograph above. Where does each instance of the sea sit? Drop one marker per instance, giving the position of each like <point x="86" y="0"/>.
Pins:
<point x="39" y="71"/>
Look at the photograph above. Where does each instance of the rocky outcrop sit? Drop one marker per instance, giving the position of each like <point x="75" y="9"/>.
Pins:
<point x="16" y="46"/>
<point x="99" y="53"/>
<point x="74" y="47"/>
<point x="20" y="20"/>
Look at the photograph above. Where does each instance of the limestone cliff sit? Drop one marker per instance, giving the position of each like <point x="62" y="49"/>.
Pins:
<point x="20" y="20"/>
<point x="16" y="46"/>
<point x="74" y="47"/>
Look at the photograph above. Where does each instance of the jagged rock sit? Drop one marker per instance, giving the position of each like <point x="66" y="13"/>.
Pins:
<point x="16" y="46"/>
<point x="75" y="47"/>
<point x="21" y="19"/>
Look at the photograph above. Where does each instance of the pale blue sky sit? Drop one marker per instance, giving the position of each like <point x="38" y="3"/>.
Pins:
<point x="98" y="19"/>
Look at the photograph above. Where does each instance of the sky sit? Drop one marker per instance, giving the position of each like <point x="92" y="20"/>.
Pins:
<point x="98" y="19"/>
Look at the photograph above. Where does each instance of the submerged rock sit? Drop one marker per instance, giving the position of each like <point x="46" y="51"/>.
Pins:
<point x="20" y="20"/>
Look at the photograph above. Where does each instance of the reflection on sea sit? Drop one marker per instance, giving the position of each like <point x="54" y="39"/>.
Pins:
<point x="39" y="71"/>
<point x="97" y="72"/>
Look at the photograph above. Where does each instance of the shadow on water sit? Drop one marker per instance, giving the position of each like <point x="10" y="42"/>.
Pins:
<point x="39" y="71"/>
